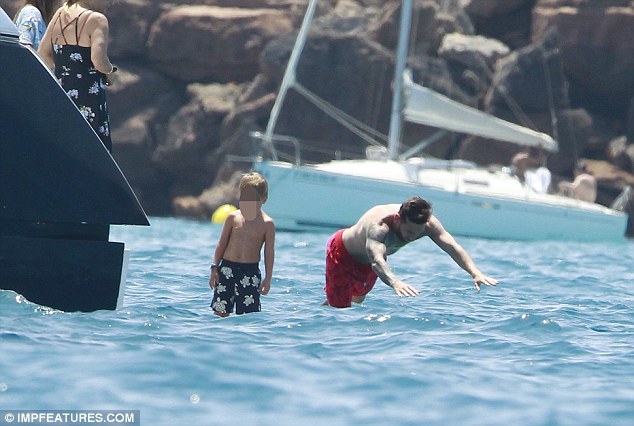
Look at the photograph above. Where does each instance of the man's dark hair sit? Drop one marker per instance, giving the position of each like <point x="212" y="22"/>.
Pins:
<point x="415" y="210"/>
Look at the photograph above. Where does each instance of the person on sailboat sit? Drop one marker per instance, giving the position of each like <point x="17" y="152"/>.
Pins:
<point x="583" y="187"/>
<point x="357" y="256"/>
<point x="529" y="166"/>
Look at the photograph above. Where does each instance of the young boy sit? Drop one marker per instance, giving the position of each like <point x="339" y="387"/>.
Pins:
<point x="235" y="273"/>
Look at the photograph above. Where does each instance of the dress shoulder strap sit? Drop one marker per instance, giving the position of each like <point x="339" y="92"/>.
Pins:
<point x="58" y="20"/>
<point x="75" y="21"/>
<point x="78" y="33"/>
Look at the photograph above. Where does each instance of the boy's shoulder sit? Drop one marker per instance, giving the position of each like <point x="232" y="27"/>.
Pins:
<point x="231" y="217"/>
<point x="267" y="219"/>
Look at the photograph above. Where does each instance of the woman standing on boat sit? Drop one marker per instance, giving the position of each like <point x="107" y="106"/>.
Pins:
<point x="76" y="46"/>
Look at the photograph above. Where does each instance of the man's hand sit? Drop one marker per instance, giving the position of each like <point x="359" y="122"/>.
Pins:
<point x="404" y="289"/>
<point x="479" y="280"/>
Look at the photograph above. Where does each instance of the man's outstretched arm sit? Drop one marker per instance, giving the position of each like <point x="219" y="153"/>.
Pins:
<point x="448" y="243"/>
<point x="377" y="253"/>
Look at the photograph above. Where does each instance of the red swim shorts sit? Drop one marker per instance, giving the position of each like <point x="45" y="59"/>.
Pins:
<point x="345" y="276"/>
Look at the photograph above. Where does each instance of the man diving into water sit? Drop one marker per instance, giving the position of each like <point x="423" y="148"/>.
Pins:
<point x="357" y="256"/>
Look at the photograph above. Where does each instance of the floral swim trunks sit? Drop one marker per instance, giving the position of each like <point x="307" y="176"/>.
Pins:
<point x="238" y="285"/>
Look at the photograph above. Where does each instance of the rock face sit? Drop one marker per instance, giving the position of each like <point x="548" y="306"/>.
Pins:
<point x="217" y="44"/>
<point x="597" y="46"/>
<point x="196" y="77"/>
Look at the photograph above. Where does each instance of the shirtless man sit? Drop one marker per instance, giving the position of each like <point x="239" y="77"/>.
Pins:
<point x="235" y="275"/>
<point x="583" y="187"/>
<point x="356" y="256"/>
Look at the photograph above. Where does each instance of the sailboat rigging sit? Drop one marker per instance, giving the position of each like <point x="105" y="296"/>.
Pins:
<point x="472" y="201"/>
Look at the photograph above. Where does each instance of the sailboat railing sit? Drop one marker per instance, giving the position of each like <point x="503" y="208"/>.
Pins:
<point x="420" y="146"/>
<point x="268" y="141"/>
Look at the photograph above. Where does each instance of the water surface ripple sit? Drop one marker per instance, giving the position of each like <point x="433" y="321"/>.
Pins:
<point x="552" y="345"/>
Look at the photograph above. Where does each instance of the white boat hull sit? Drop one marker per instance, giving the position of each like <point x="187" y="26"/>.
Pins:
<point x="334" y="195"/>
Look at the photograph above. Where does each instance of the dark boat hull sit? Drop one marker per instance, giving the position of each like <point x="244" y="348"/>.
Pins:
<point x="60" y="190"/>
<point x="69" y="275"/>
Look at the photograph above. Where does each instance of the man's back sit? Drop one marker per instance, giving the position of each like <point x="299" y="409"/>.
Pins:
<point x="378" y="224"/>
<point x="355" y="237"/>
<point x="585" y="187"/>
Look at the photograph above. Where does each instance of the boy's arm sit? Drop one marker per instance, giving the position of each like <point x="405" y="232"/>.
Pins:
<point x="269" y="257"/>
<point x="225" y="234"/>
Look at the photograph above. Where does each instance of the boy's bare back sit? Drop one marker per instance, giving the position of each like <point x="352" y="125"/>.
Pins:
<point x="247" y="237"/>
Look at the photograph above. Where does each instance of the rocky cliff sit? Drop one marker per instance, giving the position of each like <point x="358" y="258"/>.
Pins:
<point x="196" y="77"/>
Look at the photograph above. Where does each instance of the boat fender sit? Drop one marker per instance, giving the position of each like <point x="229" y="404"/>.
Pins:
<point x="221" y="213"/>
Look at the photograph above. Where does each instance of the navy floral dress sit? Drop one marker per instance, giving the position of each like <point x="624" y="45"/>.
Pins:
<point x="83" y="83"/>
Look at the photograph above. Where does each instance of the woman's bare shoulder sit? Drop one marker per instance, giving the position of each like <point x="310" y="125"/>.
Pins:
<point x="96" y="20"/>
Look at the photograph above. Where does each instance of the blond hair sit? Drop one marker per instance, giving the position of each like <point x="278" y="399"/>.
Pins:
<point x="257" y="181"/>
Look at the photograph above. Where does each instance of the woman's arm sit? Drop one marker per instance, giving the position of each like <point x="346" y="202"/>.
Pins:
<point x="46" y="45"/>
<point x="99" y="43"/>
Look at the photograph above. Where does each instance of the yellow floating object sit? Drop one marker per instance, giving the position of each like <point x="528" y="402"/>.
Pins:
<point x="221" y="213"/>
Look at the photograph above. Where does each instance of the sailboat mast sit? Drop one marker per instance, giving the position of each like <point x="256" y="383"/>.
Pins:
<point x="401" y="60"/>
<point x="289" y="75"/>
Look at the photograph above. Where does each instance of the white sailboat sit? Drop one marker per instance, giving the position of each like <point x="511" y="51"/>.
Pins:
<point x="469" y="201"/>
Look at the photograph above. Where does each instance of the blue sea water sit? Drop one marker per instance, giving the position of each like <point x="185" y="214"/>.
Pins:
<point x="553" y="344"/>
